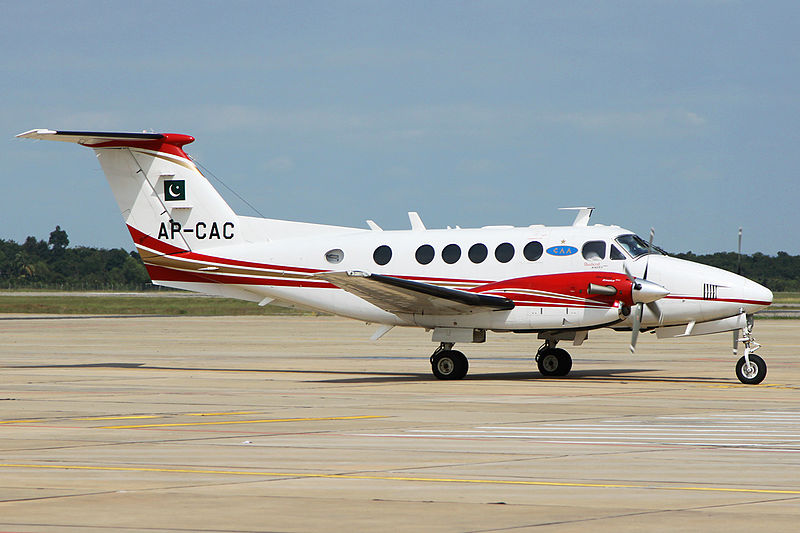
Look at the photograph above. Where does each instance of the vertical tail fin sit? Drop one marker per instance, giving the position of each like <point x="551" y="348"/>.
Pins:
<point x="167" y="203"/>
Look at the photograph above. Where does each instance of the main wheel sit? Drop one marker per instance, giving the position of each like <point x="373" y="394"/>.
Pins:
<point x="752" y="374"/>
<point x="449" y="364"/>
<point x="554" y="362"/>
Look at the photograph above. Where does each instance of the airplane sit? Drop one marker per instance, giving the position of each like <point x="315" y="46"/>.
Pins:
<point x="558" y="282"/>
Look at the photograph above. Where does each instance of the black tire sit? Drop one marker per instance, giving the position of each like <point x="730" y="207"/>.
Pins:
<point x="554" y="362"/>
<point x="753" y="375"/>
<point x="449" y="364"/>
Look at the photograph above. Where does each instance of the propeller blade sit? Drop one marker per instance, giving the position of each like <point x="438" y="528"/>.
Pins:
<point x="637" y="323"/>
<point x="631" y="277"/>
<point x="649" y="251"/>
<point x="656" y="310"/>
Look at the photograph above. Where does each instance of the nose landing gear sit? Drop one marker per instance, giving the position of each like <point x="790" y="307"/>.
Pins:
<point x="750" y="369"/>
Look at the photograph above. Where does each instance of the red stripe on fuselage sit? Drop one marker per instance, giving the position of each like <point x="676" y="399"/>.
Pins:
<point x="159" y="273"/>
<point x="572" y="284"/>
<point x="724" y="300"/>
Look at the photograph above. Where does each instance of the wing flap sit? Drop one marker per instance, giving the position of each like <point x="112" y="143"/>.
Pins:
<point x="398" y="295"/>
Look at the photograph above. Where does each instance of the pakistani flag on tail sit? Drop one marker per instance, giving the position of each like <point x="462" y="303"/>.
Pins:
<point x="174" y="190"/>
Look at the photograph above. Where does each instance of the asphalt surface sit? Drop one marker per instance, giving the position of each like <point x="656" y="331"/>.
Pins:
<point x="303" y="424"/>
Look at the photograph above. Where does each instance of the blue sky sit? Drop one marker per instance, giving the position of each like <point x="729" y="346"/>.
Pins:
<point x="678" y="115"/>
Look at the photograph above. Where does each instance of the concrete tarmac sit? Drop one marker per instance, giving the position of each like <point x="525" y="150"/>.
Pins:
<point x="303" y="424"/>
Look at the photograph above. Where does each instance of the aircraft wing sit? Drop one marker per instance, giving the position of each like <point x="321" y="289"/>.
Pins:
<point x="404" y="296"/>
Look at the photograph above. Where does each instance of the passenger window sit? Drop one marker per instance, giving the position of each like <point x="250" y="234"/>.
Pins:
<point x="504" y="252"/>
<point x="594" y="250"/>
<point x="477" y="253"/>
<point x="334" y="256"/>
<point x="616" y="255"/>
<point x="425" y="254"/>
<point x="382" y="254"/>
<point x="533" y="251"/>
<point x="451" y="253"/>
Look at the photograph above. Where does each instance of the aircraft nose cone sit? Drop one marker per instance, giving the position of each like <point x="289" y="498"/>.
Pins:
<point x="646" y="291"/>
<point x="757" y="294"/>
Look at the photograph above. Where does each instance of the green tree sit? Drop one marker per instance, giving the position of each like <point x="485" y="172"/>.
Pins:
<point x="58" y="239"/>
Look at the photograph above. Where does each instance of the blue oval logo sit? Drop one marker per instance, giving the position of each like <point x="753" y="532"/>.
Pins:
<point x="562" y="250"/>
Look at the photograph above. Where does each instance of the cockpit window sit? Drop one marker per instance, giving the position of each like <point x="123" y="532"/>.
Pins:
<point x="635" y="245"/>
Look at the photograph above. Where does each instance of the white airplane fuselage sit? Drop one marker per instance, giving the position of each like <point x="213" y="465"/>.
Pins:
<point x="547" y="291"/>
<point x="557" y="281"/>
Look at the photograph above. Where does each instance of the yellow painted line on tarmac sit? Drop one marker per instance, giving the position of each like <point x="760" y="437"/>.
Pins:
<point x="136" y="417"/>
<point x="226" y="422"/>
<point x="776" y="386"/>
<point x="117" y="417"/>
<point x="404" y="478"/>
<point x="222" y="414"/>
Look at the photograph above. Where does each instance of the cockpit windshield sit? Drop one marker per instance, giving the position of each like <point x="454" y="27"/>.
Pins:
<point x="636" y="246"/>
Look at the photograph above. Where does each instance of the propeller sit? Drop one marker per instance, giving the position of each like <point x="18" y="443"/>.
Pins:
<point x="643" y="293"/>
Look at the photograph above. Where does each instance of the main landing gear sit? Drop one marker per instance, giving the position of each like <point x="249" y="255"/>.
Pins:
<point x="553" y="361"/>
<point x="750" y="369"/>
<point x="448" y="363"/>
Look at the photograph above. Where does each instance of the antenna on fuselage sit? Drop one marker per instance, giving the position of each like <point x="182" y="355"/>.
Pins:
<point x="739" y="260"/>
<point x="582" y="218"/>
<point x="416" y="221"/>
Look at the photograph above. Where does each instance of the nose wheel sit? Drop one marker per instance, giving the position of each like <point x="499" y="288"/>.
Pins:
<point x="751" y="372"/>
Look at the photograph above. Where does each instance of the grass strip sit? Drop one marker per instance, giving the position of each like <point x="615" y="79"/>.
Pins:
<point x="133" y="305"/>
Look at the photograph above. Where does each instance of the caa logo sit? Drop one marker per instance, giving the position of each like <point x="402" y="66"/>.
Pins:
<point x="562" y="250"/>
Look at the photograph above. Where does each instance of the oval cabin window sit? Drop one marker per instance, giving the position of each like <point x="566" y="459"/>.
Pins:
<point x="425" y="254"/>
<point x="382" y="254"/>
<point x="334" y="256"/>
<point x="533" y="251"/>
<point x="478" y="253"/>
<point x="451" y="253"/>
<point x="504" y="252"/>
<point x="594" y="251"/>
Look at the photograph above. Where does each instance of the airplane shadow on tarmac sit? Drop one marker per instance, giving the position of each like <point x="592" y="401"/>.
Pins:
<point x="609" y="375"/>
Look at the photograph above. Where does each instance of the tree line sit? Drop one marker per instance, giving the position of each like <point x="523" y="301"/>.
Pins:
<point x="52" y="264"/>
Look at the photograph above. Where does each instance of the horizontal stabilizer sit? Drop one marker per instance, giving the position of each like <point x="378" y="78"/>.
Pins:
<point x="413" y="297"/>
<point x="169" y="142"/>
<point x="89" y="137"/>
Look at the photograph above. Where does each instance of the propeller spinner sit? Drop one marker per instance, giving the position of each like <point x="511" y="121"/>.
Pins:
<point x="643" y="293"/>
